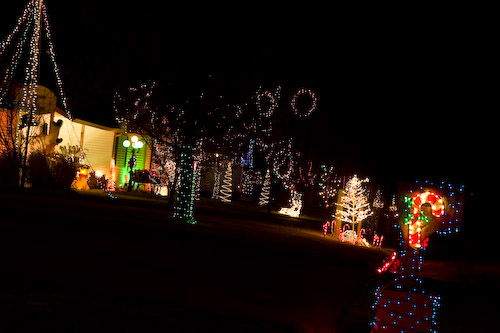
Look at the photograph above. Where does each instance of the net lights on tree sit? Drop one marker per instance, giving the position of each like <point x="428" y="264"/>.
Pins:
<point x="283" y="165"/>
<point x="183" y="209"/>
<point x="329" y="183"/>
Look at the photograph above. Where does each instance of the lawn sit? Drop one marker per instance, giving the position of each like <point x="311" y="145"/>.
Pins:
<point x="87" y="263"/>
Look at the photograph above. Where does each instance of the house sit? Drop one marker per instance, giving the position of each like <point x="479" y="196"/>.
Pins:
<point x="98" y="146"/>
<point x="102" y="147"/>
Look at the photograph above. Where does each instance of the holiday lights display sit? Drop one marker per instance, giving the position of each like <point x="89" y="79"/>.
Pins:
<point x="251" y="180"/>
<point x="52" y="54"/>
<point x="377" y="201"/>
<point x="424" y="208"/>
<point x="417" y="219"/>
<point x="134" y="107"/>
<point x="429" y="208"/>
<point x="216" y="188"/>
<point x="305" y="178"/>
<point x="197" y="176"/>
<point x="250" y="177"/>
<point x="401" y="312"/>
<point x="354" y="207"/>
<point x="183" y="209"/>
<point x="377" y="241"/>
<point x="295" y="108"/>
<point x="453" y="196"/>
<point x="227" y="184"/>
<point x="404" y="305"/>
<point x="326" y="226"/>
<point x="350" y="236"/>
<point x="33" y="20"/>
<point x="296" y="208"/>
<point x="329" y="183"/>
<point x="283" y="164"/>
<point x="163" y="167"/>
<point x="264" y="192"/>
<point x="266" y="103"/>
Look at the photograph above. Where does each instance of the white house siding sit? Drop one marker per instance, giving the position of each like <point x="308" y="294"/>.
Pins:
<point x="97" y="143"/>
<point x="98" y="148"/>
<point x="70" y="131"/>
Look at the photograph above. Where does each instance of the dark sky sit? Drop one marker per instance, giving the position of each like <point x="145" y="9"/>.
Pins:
<point x="400" y="90"/>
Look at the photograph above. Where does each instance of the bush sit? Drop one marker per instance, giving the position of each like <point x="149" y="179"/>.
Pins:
<point x="51" y="172"/>
<point x="38" y="171"/>
<point x="9" y="173"/>
<point x="97" y="182"/>
<point x="63" y="173"/>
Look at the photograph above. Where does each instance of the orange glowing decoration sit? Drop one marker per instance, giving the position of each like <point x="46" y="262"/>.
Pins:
<point x="84" y="171"/>
<point x="80" y="183"/>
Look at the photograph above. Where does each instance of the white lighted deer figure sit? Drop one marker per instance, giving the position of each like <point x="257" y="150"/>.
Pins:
<point x="296" y="208"/>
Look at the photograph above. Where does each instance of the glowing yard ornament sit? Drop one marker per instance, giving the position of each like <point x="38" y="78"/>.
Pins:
<point x="264" y="194"/>
<point x="80" y="183"/>
<point x="296" y="208"/>
<point x="354" y="207"/>
<point x="227" y="185"/>
<point x="310" y="109"/>
<point x="417" y="219"/>
<point x="216" y="189"/>
<point x="424" y="208"/>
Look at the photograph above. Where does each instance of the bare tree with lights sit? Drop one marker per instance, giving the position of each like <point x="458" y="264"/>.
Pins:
<point x="354" y="207"/>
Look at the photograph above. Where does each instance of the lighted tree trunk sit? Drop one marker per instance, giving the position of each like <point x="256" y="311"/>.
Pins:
<point x="183" y="209"/>
<point x="337" y="215"/>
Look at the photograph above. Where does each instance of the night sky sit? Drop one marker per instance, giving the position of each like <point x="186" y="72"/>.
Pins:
<point x="400" y="90"/>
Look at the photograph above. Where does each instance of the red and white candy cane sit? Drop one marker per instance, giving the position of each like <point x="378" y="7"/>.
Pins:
<point x="415" y="227"/>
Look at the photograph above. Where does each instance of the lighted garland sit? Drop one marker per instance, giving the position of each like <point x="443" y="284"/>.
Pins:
<point x="313" y="106"/>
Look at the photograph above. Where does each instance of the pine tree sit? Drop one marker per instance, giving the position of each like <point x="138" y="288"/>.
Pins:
<point x="264" y="193"/>
<point x="354" y="206"/>
<point x="227" y="185"/>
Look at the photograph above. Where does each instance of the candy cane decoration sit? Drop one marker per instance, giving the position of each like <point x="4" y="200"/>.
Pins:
<point x="325" y="228"/>
<point x="415" y="222"/>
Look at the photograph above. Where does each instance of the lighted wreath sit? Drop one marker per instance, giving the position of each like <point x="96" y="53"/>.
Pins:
<point x="312" y="107"/>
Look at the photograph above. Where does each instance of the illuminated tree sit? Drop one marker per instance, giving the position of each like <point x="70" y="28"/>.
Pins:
<point x="20" y="120"/>
<point x="216" y="188"/>
<point x="227" y="185"/>
<point x="264" y="193"/>
<point x="329" y="183"/>
<point x="177" y="120"/>
<point x="183" y="209"/>
<point x="354" y="207"/>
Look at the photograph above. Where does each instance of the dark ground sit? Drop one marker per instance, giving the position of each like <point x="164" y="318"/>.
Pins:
<point x="87" y="264"/>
